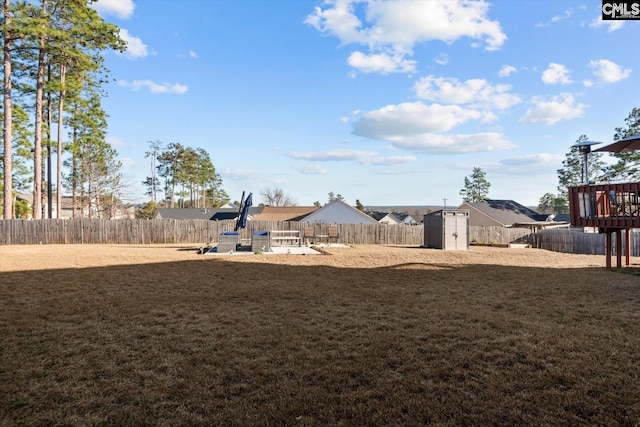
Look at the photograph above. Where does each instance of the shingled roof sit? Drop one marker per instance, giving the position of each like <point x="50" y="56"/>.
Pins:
<point x="187" y="213"/>
<point x="504" y="212"/>
<point x="285" y="213"/>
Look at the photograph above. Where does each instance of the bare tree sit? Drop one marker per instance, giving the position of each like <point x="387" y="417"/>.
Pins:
<point x="276" y="197"/>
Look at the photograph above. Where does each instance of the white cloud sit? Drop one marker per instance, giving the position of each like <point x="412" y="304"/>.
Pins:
<point x="359" y="156"/>
<point x="122" y="9"/>
<point x="442" y="59"/>
<point x="476" y="92"/>
<point x="608" y="71"/>
<point x="559" y="108"/>
<point x="392" y="160"/>
<point x="192" y="54"/>
<point x="129" y="163"/>
<point x="395" y="122"/>
<point x="391" y="29"/>
<point x="557" y="18"/>
<point x="154" y="87"/>
<point x="115" y="141"/>
<point x="415" y="126"/>
<point x="241" y="174"/>
<point x="332" y="155"/>
<point x="135" y="47"/>
<point x="567" y="14"/>
<point x="312" y="170"/>
<point x="380" y="63"/>
<point x="507" y="70"/>
<point x="611" y="25"/>
<point x="339" y="21"/>
<point x="540" y="163"/>
<point x="556" y="74"/>
<point x="454" y="144"/>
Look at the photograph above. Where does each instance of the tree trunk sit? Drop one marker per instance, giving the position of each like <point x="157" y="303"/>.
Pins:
<point x="74" y="178"/>
<point x="37" y="141"/>
<point x="49" y="212"/>
<point x="8" y="146"/>
<point x="63" y="70"/>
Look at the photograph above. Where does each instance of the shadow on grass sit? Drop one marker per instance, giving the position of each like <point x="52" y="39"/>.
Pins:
<point x="217" y="342"/>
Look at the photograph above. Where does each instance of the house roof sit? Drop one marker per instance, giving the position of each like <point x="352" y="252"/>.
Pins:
<point x="222" y="214"/>
<point x="215" y="214"/>
<point x="403" y="216"/>
<point x="506" y="212"/>
<point x="186" y="213"/>
<point x="285" y="213"/>
<point x="379" y="216"/>
<point x="339" y="212"/>
<point x="334" y="212"/>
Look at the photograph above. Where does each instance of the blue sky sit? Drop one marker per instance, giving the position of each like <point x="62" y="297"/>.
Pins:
<point x="388" y="102"/>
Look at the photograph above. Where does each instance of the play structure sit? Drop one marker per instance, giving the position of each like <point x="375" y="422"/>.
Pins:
<point x="611" y="208"/>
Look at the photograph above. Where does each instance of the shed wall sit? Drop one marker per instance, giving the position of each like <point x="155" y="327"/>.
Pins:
<point x="447" y="229"/>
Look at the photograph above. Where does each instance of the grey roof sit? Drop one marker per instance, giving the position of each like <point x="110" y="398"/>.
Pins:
<point x="403" y="216"/>
<point x="561" y="218"/>
<point x="187" y="213"/>
<point x="215" y="214"/>
<point x="376" y="215"/>
<point x="506" y="212"/>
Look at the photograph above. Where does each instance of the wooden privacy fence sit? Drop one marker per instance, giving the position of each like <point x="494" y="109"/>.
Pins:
<point x="204" y="232"/>
<point x="577" y="242"/>
<point x="498" y="235"/>
<point x="159" y="231"/>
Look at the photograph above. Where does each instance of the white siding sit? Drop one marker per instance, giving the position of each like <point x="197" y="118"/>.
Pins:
<point x="338" y="212"/>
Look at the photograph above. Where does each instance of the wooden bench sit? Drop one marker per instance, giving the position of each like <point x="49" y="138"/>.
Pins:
<point x="285" y="237"/>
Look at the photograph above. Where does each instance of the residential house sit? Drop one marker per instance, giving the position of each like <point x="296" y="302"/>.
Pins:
<point x="336" y="212"/>
<point x="213" y="214"/>
<point x="405" y="218"/>
<point x="384" y="217"/>
<point x="501" y="213"/>
<point x="121" y="211"/>
<point x="285" y="213"/>
<point x="339" y="212"/>
<point x="506" y="213"/>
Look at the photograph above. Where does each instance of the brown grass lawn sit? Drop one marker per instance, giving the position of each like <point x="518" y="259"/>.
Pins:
<point x="159" y="335"/>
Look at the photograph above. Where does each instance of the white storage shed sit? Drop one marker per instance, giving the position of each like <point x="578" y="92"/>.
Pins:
<point x="447" y="229"/>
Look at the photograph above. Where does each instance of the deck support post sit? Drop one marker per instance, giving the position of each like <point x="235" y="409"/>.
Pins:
<point x="627" y="250"/>
<point x="607" y="245"/>
<point x="619" y="248"/>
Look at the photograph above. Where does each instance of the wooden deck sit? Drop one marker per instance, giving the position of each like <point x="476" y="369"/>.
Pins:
<point x="610" y="208"/>
<point x="605" y="205"/>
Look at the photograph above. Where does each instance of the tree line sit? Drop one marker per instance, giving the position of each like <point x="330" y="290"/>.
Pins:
<point x="53" y="79"/>
<point x="185" y="176"/>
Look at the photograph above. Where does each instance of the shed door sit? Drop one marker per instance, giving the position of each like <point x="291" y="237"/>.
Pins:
<point x="455" y="232"/>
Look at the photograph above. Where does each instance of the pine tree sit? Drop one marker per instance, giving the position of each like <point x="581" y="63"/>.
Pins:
<point x="476" y="187"/>
<point x="8" y="117"/>
<point x="627" y="167"/>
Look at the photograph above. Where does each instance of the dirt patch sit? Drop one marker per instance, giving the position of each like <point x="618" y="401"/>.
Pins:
<point x="370" y="335"/>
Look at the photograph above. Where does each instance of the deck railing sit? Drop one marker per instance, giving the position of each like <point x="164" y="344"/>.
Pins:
<point x="605" y="205"/>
